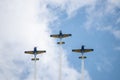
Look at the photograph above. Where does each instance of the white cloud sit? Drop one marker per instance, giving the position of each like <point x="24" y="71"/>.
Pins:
<point x="101" y="65"/>
<point x="75" y="5"/>
<point x="68" y="6"/>
<point x="20" y="30"/>
<point x="111" y="30"/>
<point x="99" y="68"/>
<point x="116" y="33"/>
<point x="115" y="2"/>
<point x="104" y="17"/>
<point x="117" y="48"/>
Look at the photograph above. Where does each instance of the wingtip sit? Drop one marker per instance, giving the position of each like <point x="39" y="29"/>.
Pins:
<point x="72" y="50"/>
<point x="50" y="35"/>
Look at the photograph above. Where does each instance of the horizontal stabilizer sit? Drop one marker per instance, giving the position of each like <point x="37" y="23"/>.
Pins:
<point x="60" y="42"/>
<point x="33" y="59"/>
<point x="82" y="57"/>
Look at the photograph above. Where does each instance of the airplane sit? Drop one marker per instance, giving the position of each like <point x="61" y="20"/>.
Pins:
<point x="35" y="52"/>
<point x="82" y="50"/>
<point x="60" y="36"/>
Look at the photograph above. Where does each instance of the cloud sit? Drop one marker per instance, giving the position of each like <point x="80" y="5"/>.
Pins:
<point x="117" y="48"/>
<point x="111" y="30"/>
<point x="115" y="3"/>
<point x="104" y="16"/>
<point x="69" y="7"/>
<point x="117" y="33"/>
<point x="101" y="65"/>
<point x="23" y="25"/>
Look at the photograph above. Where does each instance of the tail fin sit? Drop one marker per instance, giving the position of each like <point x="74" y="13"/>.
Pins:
<point x="60" y="42"/>
<point x="82" y="57"/>
<point x="33" y="59"/>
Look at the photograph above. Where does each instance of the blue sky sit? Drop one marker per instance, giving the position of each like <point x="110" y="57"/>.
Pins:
<point x="89" y="28"/>
<point x="27" y="23"/>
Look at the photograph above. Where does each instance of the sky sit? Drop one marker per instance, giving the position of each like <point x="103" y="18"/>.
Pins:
<point x="25" y="24"/>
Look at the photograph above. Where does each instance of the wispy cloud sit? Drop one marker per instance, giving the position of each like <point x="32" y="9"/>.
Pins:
<point x="101" y="65"/>
<point x="116" y="33"/>
<point x="117" y="48"/>
<point x="104" y="16"/>
<point x="70" y="7"/>
<point x="115" y="2"/>
<point x="25" y="24"/>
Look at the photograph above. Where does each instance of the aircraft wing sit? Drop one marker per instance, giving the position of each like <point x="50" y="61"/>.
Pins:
<point x="58" y="36"/>
<point x="29" y="52"/>
<point x="55" y="36"/>
<point x="76" y="50"/>
<point x="39" y="52"/>
<point x="84" y="51"/>
<point x="66" y="35"/>
<point x="88" y="50"/>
